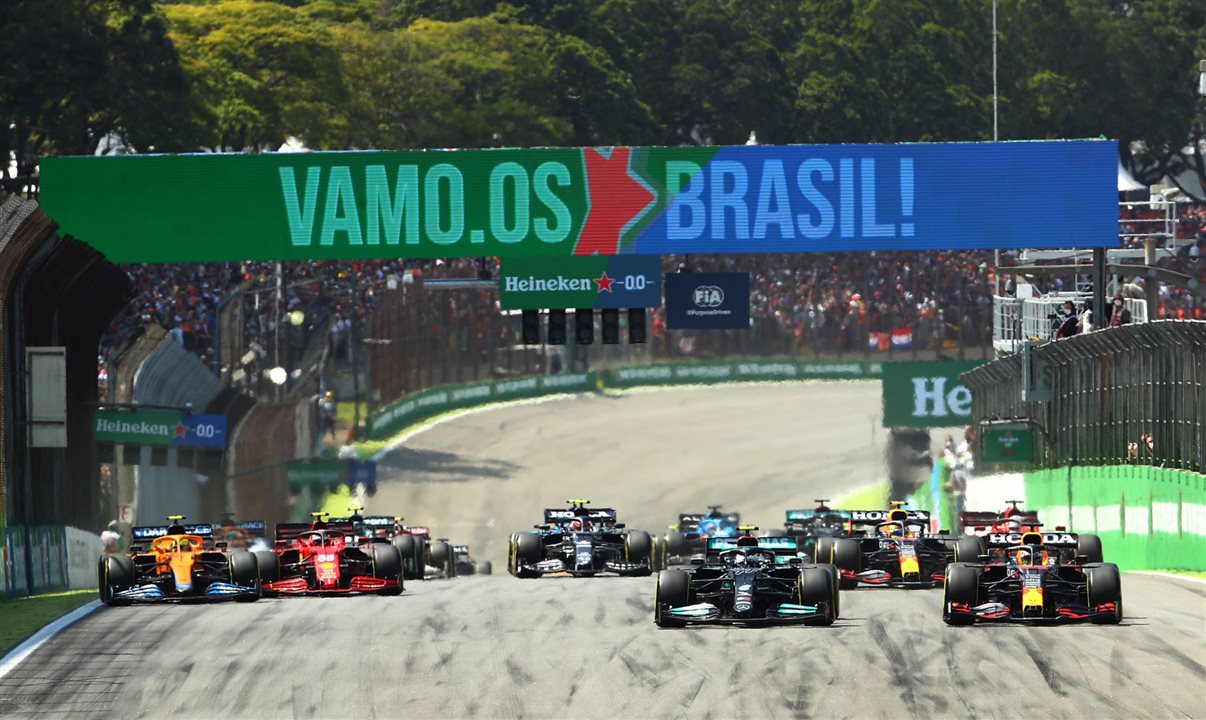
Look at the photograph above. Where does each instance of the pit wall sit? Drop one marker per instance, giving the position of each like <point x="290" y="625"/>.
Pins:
<point x="1148" y="518"/>
<point x="420" y="406"/>
<point x="46" y="558"/>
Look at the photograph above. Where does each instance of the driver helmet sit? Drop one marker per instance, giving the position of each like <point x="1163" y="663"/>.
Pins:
<point x="892" y="529"/>
<point x="747" y="541"/>
<point x="1030" y="555"/>
<point x="318" y="525"/>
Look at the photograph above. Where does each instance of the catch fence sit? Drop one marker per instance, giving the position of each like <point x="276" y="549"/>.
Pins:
<point x="1134" y="394"/>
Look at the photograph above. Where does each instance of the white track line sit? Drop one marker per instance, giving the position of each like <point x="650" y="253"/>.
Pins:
<point x="25" y="649"/>
<point x="1174" y="576"/>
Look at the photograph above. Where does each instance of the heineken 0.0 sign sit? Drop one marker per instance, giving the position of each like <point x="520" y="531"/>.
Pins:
<point x="589" y="282"/>
<point x="160" y="427"/>
<point x="559" y="202"/>
<point x="926" y="394"/>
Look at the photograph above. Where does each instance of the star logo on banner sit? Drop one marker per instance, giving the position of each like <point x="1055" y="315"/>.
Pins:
<point x="181" y="430"/>
<point x="604" y="283"/>
<point x="616" y="198"/>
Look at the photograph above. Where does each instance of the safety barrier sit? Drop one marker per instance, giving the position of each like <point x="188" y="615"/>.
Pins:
<point x="44" y="558"/>
<point x="428" y="403"/>
<point x="1147" y="517"/>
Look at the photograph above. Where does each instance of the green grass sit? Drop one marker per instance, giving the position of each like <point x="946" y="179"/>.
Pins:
<point x="25" y="616"/>
<point x="346" y="410"/>
<point x="868" y="498"/>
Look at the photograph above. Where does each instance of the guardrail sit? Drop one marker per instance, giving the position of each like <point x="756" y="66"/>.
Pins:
<point x="428" y="403"/>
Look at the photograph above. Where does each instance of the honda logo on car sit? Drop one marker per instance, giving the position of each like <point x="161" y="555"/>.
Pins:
<point x="1016" y="538"/>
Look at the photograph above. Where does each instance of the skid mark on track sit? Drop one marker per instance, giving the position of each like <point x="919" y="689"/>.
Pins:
<point x="1042" y="661"/>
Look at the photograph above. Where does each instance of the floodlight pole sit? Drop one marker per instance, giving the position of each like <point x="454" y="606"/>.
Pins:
<point x="996" y="253"/>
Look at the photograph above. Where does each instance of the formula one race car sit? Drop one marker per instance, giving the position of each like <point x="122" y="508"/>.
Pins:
<point x="580" y="541"/>
<point x="689" y="536"/>
<point x="466" y="565"/>
<point x="179" y="564"/>
<point x="241" y="535"/>
<point x="893" y="548"/>
<point x="747" y="580"/>
<point x="1028" y="582"/>
<point x="807" y="526"/>
<point x="422" y="558"/>
<point x="326" y="558"/>
<point x="1004" y="528"/>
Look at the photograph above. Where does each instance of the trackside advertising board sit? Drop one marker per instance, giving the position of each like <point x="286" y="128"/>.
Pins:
<point x="708" y="300"/>
<point x="598" y="281"/>
<point x="586" y="201"/>
<point x="926" y="394"/>
<point x="160" y="427"/>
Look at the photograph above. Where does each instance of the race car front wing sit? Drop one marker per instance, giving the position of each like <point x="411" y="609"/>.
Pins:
<point x="707" y="613"/>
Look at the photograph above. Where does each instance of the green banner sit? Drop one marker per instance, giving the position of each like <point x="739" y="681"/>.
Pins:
<point x="1007" y="444"/>
<point x="137" y="427"/>
<point x="926" y="394"/>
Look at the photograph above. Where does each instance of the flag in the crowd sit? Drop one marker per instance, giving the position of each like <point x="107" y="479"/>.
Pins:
<point x="877" y="342"/>
<point x="902" y="339"/>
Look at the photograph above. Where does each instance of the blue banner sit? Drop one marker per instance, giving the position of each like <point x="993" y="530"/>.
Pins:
<point x="200" y="431"/>
<point x="827" y="198"/>
<point x="707" y="300"/>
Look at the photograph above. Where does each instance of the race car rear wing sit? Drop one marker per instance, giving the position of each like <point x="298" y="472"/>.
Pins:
<point x="558" y="516"/>
<point x="779" y="545"/>
<point x="150" y="532"/>
<point x="982" y="520"/>
<point x="1054" y="539"/>
<point x="875" y="517"/>
<point x="289" y="531"/>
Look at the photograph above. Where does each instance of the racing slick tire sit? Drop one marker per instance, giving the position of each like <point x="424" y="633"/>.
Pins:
<point x="511" y="554"/>
<point x="968" y="549"/>
<point x="815" y="587"/>
<point x="837" y="579"/>
<point x="658" y="555"/>
<point x="412" y="556"/>
<point x="268" y="564"/>
<point x="528" y="547"/>
<point x="483" y="567"/>
<point x="673" y="589"/>
<point x="1104" y="585"/>
<point x="387" y="565"/>
<point x="245" y="572"/>
<point x="115" y="573"/>
<point x="842" y="552"/>
<point x="442" y="557"/>
<point x="676" y="544"/>
<point x="1090" y="547"/>
<point x="962" y="585"/>
<point x="638" y="547"/>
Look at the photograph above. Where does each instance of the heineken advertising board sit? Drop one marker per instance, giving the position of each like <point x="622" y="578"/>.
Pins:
<point x="1007" y="443"/>
<point x="552" y="202"/>
<point x="926" y="394"/>
<point x="160" y="427"/>
<point x="589" y="282"/>
<point x="302" y="473"/>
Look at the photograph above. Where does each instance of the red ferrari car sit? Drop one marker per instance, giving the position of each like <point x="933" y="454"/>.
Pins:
<point x="327" y="558"/>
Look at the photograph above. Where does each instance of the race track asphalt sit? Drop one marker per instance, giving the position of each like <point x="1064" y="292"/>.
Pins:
<point x="499" y="647"/>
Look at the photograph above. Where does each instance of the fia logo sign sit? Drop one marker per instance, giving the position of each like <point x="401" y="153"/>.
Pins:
<point x="708" y="296"/>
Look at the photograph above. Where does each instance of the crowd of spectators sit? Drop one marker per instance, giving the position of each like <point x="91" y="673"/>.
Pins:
<point x="799" y="304"/>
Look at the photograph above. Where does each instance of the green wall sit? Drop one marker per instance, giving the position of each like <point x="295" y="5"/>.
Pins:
<point x="1148" y="518"/>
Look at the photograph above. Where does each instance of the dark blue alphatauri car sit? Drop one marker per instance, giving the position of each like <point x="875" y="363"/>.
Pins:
<point x="580" y="541"/>
<point x="747" y="580"/>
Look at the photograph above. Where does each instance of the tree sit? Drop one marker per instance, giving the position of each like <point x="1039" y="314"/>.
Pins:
<point x="73" y="73"/>
<point x="263" y="72"/>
